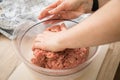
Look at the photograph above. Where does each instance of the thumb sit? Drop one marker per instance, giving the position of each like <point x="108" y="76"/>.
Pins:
<point x="57" y="9"/>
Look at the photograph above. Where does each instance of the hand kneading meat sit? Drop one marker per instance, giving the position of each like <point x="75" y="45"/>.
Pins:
<point x="66" y="59"/>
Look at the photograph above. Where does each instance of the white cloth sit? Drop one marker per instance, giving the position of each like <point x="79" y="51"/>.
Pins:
<point x="16" y="12"/>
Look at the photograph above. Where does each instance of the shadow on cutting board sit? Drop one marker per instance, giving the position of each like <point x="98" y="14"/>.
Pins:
<point x="117" y="75"/>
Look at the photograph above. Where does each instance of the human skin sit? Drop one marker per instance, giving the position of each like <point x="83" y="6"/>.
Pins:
<point x="102" y="2"/>
<point x="66" y="9"/>
<point x="100" y="28"/>
<point x="65" y="59"/>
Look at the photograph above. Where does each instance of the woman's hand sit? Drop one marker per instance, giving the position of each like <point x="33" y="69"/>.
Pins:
<point x="50" y="39"/>
<point x="66" y="9"/>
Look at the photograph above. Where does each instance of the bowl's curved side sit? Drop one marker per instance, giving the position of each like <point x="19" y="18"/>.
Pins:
<point x="23" y="44"/>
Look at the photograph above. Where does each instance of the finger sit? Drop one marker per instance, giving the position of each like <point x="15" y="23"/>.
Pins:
<point x="38" y="45"/>
<point x="38" y="39"/>
<point x="44" y="13"/>
<point x="57" y="9"/>
<point x="54" y="19"/>
<point x="70" y="14"/>
<point x="63" y="15"/>
<point x="34" y="47"/>
<point x="51" y="19"/>
<point x="54" y="5"/>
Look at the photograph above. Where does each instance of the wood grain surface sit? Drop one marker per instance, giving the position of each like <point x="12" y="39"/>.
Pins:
<point x="110" y="63"/>
<point x="8" y="59"/>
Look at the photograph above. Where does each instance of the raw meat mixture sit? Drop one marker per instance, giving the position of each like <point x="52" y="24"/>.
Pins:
<point x="69" y="58"/>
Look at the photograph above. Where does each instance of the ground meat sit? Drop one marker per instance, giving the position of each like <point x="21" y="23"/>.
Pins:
<point x="69" y="58"/>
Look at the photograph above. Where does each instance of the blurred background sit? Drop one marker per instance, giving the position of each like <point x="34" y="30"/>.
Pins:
<point x="16" y="12"/>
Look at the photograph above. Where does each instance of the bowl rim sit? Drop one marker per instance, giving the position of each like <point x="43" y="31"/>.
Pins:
<point x="43" y="22"/>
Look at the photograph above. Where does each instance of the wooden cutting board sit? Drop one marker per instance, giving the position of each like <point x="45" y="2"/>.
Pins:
<point x="88" y="73"/>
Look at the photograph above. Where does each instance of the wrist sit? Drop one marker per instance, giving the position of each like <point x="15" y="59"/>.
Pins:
<point x="66" y="40"/>
<point x="62" y="40"/>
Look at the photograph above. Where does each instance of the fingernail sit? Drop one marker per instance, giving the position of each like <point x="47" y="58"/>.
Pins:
<point x="50" y="12"/>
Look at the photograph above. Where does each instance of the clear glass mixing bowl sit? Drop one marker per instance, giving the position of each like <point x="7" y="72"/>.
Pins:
<point x="24" y="41"/>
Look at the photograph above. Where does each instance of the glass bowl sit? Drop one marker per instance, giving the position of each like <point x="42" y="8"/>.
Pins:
<point x="23" y="42"/>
